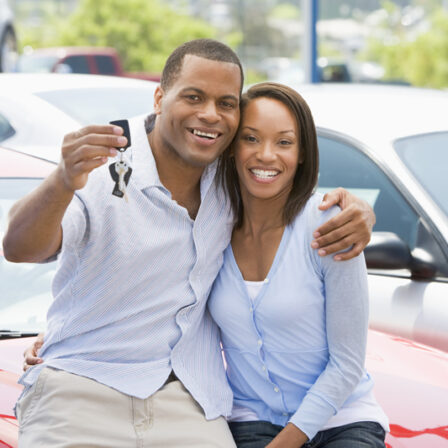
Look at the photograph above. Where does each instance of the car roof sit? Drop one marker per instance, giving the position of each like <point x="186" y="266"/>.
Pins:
<point x="394" y="111"/>
<point x="39" y="82"/>
<point x="68" y="51"/>
<point x="17" y="164"/>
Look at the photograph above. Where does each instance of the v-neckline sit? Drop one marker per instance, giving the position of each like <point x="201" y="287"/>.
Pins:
<point x="272" y="270"/>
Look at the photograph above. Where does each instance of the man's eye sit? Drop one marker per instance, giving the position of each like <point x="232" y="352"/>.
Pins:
<point x="193" y="97"/>
<point x="227" y="105"/>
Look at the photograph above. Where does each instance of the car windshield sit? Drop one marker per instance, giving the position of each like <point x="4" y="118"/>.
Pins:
<point x="25" y="288"/>
<point x="36" y="63"/>
<point x="101" y="105"/>
<point x="426" y="156"/>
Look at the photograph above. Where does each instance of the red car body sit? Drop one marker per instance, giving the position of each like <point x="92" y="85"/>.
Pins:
<point x="411" y="380"/>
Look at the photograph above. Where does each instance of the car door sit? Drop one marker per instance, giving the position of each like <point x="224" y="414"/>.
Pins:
<point x="407" y="302"/>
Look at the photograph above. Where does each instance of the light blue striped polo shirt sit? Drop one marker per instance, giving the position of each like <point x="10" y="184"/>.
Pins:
<point x="133" y="280"/>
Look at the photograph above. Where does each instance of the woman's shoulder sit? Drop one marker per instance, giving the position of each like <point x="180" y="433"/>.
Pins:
<point x="311" y="216"/>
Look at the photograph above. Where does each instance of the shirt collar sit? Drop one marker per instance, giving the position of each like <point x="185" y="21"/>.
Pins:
<point x="142" y="160"/>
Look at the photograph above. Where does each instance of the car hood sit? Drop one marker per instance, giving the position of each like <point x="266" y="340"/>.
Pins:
<point x="11" y="360"/>
<point x="411" y="385"/>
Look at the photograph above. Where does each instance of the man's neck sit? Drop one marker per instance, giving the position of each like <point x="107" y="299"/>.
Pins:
<point x="182" y="180"/>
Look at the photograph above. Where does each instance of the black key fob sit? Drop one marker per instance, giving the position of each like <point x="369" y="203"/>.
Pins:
<point x="124" y="124"/>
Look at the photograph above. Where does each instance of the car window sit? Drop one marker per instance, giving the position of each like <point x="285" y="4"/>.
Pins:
<point x="342" y="165"/>
<point x="105" y="64"/>
<point x="25" y="288"/>
<point x="6" y="130"/>
<point x="100" y="106"/>
<point x="34" y="63"/>
<point x="77" y="64"/>
<point x="426" y="156"/>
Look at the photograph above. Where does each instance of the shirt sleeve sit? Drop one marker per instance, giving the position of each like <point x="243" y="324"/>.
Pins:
<point x="346" y="312"/>
<point x="74" y="226"/>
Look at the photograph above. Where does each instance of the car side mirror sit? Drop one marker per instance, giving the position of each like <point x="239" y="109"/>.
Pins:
<point x="387" y="250"/>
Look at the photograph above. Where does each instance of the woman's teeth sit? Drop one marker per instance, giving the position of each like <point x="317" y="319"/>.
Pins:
<point x="264" y="174"/>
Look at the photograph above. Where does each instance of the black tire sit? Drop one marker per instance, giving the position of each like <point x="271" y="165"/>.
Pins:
<point x="8" y="50"/>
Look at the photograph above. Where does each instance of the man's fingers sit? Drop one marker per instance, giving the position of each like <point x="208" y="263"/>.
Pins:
<point x="107" y="142"/>
<point x="335" y="246"/>
<point x="352" y="253"/>
<point x="86" y="166"/>
<point x="87" y="152"/>
<point x="334" y="197"/>
<point x="331" y="226"/>
<point x="31" y="361"/>
<point x="99" y="129"/>
<point x="102" y="140"/>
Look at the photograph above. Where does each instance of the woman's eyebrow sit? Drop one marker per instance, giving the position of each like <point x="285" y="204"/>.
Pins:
<point x="287" y="131"/>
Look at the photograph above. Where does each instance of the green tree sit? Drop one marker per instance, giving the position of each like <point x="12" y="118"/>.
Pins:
<point x="422" y="61"/>
<point x="144" y="32"/>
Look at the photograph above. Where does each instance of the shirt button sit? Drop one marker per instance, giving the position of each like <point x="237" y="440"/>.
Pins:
<point x="285" y="414"/>
<point x="263" y="368"/>
<point x="266" y="280"/>
<point x="276" y="389"/>
<point x="251" y="309"/>
<point x="260" y="342"/>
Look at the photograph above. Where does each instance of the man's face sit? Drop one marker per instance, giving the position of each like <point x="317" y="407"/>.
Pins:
<point x="199" y="113"/>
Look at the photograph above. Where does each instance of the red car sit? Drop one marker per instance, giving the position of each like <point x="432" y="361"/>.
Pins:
<point x="411" y="379"/>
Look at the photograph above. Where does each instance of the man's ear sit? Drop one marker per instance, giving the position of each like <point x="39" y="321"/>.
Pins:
<point x="158" y="96"/>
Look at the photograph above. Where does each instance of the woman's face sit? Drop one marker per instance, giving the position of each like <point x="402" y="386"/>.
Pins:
<point x="267" y="149"/>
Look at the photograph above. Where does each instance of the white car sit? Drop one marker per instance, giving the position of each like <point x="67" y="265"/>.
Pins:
<point x="37" y="110"/>
<point x="389" y="145"/>
<point x="8" y="40"/>
<point x="386" y="144"/>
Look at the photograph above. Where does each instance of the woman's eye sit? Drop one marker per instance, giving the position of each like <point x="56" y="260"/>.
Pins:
<point x="285" y="142"/>
<point x="250" y="138"/>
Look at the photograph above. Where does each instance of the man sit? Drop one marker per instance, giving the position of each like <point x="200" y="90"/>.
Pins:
<point x="131" y="356"/>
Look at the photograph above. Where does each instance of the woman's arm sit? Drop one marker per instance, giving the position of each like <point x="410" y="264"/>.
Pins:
<point x="346" y="314"/>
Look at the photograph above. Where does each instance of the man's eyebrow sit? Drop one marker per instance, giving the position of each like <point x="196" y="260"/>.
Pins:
<point x="201" y="92"/>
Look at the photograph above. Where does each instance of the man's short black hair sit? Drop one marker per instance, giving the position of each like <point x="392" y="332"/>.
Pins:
<point x="203" y="48"/>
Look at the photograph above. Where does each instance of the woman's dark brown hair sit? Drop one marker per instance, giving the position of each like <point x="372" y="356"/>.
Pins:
<point x="305" y="178"/>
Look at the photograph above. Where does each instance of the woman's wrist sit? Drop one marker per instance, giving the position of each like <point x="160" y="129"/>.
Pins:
<point x="289" y="437"/>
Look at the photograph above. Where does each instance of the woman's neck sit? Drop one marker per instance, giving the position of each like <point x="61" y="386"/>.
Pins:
<point x="262" y="215"/>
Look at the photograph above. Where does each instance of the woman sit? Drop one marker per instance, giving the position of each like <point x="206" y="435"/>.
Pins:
<point x="293" y="324"/>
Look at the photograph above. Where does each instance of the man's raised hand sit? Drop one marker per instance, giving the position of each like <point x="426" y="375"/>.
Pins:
<point x="85" y="150"/>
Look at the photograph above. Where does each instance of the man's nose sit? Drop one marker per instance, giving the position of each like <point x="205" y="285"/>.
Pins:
<point x="209" y="113"/>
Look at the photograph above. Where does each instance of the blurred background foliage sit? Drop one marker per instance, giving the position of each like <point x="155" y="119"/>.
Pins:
<point x="137" y="29"/>
<point x="405" y="41"/>
<point x="422" y="60"/>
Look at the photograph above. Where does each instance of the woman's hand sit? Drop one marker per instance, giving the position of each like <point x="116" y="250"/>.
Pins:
<point x="289" y="437"/>
<point x="351" y="228"/>
<point x="30" y="354"/>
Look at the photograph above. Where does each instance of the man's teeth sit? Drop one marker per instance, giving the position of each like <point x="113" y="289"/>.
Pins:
<point x="204" y="134"/>
<point x="264" y="174"/>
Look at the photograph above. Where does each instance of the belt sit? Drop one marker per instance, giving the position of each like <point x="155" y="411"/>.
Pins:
<point x="172" y="377"/>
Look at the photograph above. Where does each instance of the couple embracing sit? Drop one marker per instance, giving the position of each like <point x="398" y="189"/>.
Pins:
<point x="222" y="245"/>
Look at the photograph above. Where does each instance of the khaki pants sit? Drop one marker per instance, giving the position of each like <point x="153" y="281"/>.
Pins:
<point x="65" y="410"/>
